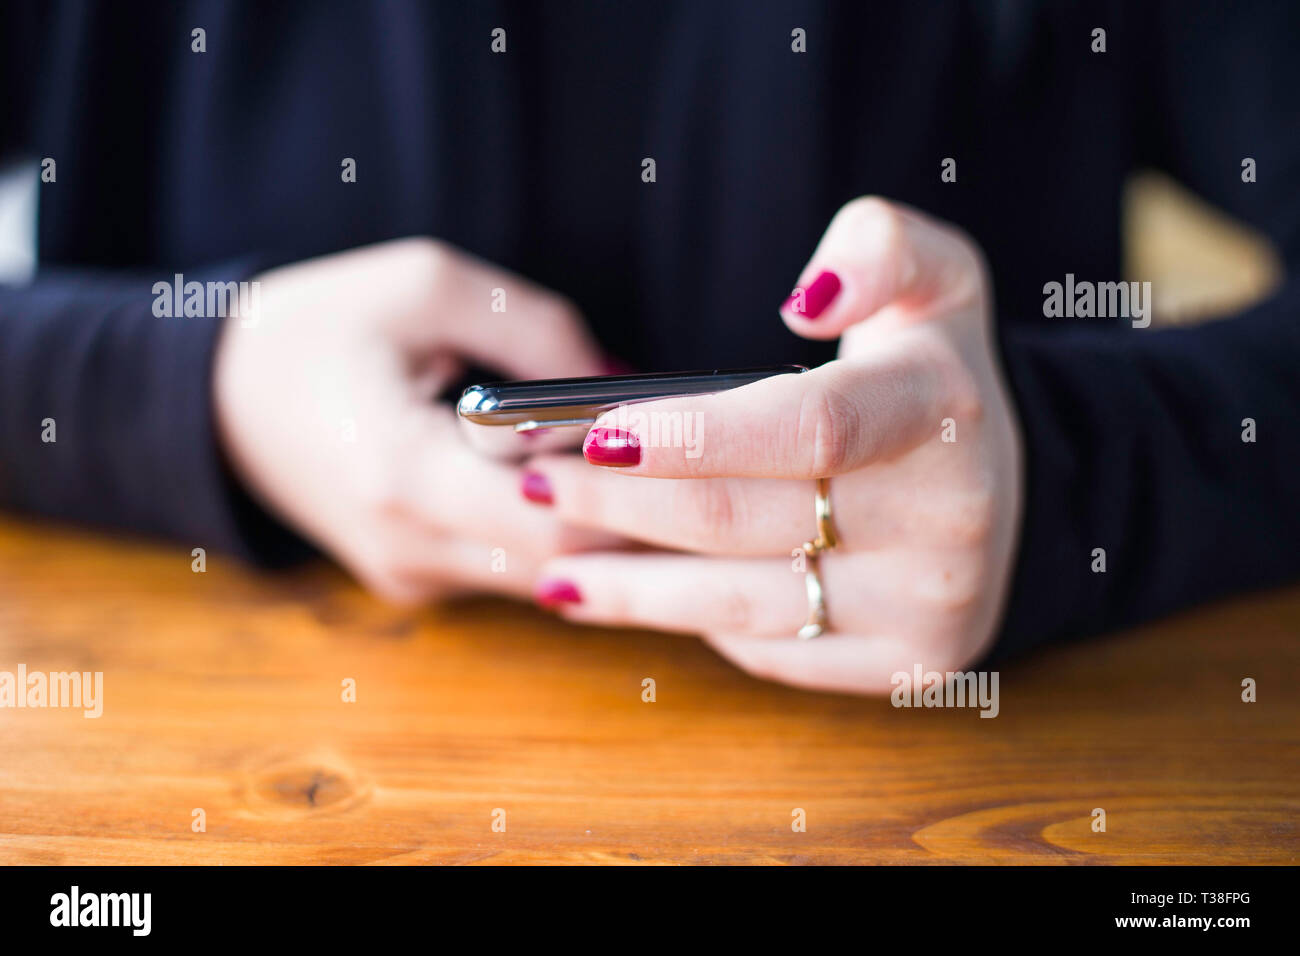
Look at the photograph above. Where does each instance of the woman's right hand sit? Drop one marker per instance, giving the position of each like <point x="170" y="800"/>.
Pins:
<point x="325" y="404"/>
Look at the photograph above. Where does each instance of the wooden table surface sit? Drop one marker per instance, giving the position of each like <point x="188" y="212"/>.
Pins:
<point x="223" y="691"/>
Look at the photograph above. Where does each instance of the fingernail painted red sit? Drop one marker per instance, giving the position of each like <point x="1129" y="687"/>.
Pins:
<point x="612" y="447"/>
<point x="552" y="591"/>
<point x="536" y="487"/>
<point x="817" y="297"/>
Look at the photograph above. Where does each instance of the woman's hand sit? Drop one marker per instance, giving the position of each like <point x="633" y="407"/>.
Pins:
<point x="912" y="421"/>
<point x="325" y="406"/>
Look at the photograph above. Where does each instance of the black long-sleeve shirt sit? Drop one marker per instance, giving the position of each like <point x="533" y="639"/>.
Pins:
<point x="224" y="162"/>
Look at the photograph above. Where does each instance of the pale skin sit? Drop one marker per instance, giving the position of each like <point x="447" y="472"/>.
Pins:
<point x="928" y="527"/>
<point x="325" y="407"/>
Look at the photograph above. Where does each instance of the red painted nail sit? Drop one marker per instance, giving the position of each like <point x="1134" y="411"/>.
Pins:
<point x="536" y="487"/>
<point x="612" y="447"/>
<point x="819" y="294"/>
<point x="552" y="591"/>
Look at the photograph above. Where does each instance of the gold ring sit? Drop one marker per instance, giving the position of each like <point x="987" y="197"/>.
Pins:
<point x="825" y="540"/>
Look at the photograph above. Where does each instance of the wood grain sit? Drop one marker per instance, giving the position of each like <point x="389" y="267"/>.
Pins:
<point x="223" y="692"/>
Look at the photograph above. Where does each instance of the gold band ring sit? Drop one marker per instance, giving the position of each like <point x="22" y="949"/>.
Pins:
<point x="825" y="540"/>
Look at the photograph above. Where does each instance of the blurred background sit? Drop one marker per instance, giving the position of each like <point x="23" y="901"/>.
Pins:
<point x="1200" y="262"/>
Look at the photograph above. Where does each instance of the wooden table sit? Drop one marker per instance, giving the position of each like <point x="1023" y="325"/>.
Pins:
<point x="223" y="692"/>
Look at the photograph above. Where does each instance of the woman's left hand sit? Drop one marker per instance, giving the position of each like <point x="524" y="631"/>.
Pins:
<point x="913" y="424"/>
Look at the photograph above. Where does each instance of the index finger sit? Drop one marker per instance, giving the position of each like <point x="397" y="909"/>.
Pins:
<point x="833" y="419"/>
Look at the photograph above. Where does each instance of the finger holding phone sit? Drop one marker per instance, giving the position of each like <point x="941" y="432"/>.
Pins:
<point x="325" y="405"/>
<point x="912" y="423"/>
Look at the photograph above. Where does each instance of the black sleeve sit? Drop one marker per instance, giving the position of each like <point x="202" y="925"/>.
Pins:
<point x="105" y="409"/>
<point x="126" y="398"/>
<point x="1135" y="441"/>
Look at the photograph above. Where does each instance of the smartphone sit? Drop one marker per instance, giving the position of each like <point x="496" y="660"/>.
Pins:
<point x="556" y="402"/>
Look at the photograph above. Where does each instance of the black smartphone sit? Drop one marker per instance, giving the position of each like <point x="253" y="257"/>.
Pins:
<point x="551" y="403"/>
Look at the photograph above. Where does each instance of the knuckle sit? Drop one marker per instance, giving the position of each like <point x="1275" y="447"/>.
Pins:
<point x="881" y="224"/>
<point x="558" y="311"/>
<point x="970" y="521"/>
<point x="829" y="426"/>
<point x="559" y="539"/>
<point x="968" y="279"/>
<point x="714" y="510"/>
<point x="871" y="211"/>
<point x="420" y="245"/>
<point x="553" y="313"/>
<point x="735" y="611"/>
<point x="383" y="573"/>
<point x="956" y="384"/>
<point x="433" y="258"/>
<point x="952" y="591"/>
<point x="966" y="250"/>
<point x="967" y="398"/>
<point x="961" y="399"/>
<point x="547" y="542"/>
